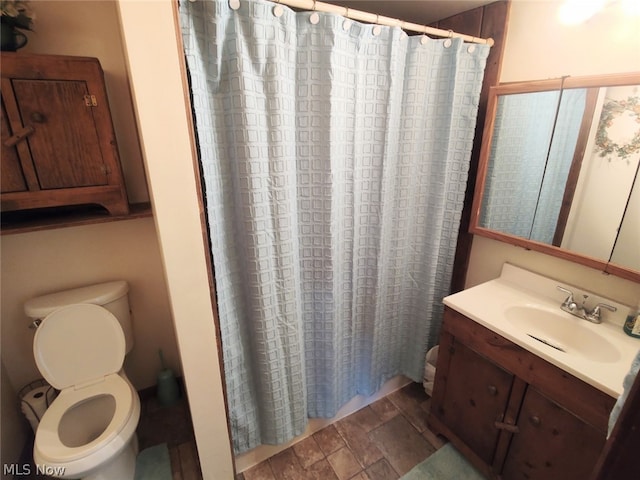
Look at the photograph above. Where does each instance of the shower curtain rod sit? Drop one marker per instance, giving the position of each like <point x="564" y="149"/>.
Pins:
<point x="380" y="19"/>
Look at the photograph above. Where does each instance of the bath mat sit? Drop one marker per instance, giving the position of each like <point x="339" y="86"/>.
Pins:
<point x="445" y="464"/>
<point x="153" y="463"/>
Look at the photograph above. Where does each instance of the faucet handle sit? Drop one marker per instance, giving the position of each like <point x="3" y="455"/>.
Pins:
<point x="569" y="302"/>
<point x="595" y="314"/>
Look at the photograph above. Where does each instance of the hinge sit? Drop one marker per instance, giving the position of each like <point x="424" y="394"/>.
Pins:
<point x="90" y="101"/>
<point x="89" y="383"/>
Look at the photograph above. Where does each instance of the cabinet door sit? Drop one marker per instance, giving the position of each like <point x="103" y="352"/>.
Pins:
<point x="552" y="443"/>
<point x="475" y="397"/>
<point x="10" y="169"/>
<point x="64" y="146"/>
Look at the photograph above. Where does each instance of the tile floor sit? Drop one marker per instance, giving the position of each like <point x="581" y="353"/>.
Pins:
<point x="380" y="442"/>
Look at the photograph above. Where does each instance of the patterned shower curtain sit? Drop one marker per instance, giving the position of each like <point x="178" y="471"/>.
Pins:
<point x="334" y="162"/>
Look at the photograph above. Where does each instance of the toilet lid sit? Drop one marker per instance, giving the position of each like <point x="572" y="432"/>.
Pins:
<point x="78" y="344"/>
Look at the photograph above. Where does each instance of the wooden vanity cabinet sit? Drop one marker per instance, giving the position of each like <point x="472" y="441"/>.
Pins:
<point x="511" y="413"/>
<point x="58" y="143"/>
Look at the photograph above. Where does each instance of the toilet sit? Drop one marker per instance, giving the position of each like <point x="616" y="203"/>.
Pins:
<point x="88" y="432"/>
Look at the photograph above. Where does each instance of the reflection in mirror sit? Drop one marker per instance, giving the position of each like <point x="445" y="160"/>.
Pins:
<point x="603" y="194"/>
<point x="558" y="167"/>
<point x="534" y="140"/>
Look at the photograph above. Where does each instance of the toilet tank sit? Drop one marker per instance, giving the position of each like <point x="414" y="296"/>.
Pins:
<point x="110" y="295"/>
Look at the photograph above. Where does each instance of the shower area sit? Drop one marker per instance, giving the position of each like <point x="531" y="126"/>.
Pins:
<point x="334" y="157"/>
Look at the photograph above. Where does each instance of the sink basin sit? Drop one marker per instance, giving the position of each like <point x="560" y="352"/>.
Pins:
<point x="563" y="332"/>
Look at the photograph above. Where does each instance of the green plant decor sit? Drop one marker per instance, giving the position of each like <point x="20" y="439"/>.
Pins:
<point x="610" y="111"/>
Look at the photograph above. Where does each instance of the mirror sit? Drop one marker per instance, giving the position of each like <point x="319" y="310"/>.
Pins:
<point x="558" y="170"/>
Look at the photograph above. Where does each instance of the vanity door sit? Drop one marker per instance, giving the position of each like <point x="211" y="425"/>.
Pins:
<point x="552" y="443"/>
<point x="475" y="398"/>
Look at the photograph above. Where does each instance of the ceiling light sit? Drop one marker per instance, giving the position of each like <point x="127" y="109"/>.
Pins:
<point x="574" y="12"/>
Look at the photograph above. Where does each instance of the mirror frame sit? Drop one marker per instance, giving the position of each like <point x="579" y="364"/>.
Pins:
<point x="610" y="80"/>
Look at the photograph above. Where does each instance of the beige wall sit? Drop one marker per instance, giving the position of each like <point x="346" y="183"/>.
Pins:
<point x="14" y="426"/>
<point x="38" y="262"/>
<point x="154" y="60"/>
<point x="537" y="47"/>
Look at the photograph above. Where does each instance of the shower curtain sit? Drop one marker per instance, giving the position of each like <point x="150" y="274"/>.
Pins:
<point x="334" y="160"/>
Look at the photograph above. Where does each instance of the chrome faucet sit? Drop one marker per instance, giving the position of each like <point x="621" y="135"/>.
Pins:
<point x="570" y="306"/>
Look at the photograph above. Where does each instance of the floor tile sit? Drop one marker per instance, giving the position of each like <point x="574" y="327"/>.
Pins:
<point x="361" y="476"/>
<point x="366" y="418"/>
<point x="320" y="471"/>
<point x="308" y="452"/>
<point x="171" y="425"/>
<point x="344" y="463"/>
<point x="286" y="466"/>
<point x="381" y="470"/>
<point x="329" y="440"/>
<point x="401" y="444"/>
<point x="408" y="400"/>
<point x="385" y="409"/>
<point x="262" y="471"/>
<point x="365" y="451"/>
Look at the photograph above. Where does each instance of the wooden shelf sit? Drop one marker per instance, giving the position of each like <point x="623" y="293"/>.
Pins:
<point x="62" y="217"/>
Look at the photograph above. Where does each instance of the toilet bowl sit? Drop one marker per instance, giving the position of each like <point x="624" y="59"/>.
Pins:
<point x="88" y="431"/>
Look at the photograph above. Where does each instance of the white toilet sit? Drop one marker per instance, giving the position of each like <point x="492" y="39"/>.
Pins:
<point x="88" y="431"/>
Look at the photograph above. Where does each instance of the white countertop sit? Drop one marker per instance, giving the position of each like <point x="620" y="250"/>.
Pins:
<point x="486" y="304"/>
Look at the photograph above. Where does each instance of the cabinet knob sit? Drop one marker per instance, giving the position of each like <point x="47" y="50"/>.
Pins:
<point x="535" y="420"/>
<point x="493" y="390"/>
<point x="37" y="117"/>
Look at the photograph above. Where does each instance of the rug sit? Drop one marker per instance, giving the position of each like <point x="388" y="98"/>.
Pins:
<point x="445" y="464"/>
<point x="153" y="463"/>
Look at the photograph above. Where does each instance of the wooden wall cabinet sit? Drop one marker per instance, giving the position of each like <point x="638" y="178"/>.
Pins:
<point x="58" y="143"/>
<point x="511" y="413"/>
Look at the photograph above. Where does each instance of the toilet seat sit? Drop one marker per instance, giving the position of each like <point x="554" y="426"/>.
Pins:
<point x="48" y="441"/>
<point x="79" y="349"/>
<point x="78" y="344"/>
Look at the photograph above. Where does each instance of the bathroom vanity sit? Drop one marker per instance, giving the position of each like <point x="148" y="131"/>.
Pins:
<point x="522" y="390"/>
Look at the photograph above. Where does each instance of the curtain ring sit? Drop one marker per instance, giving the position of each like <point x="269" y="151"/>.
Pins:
<point x="346" y="25"/>
<point x="450" y="33"/>
<point x="278" y="10"/>
<point x="377" y="29"/>
<point x="314" y="18"/>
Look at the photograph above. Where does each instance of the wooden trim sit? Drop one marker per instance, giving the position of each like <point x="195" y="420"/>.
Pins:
<point x="195" y="157"/>
<point x="494" y="24"/>
<point x="619" y="458"/>
<point x="609" y="80"/>
<point x="576" y="164"/>
<point x="436" y="426"/>
<point x="15" y="124"/>
<point x="110" y="196"/>
<point x="516" y="396"/>
<point x="67" y="216"/>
